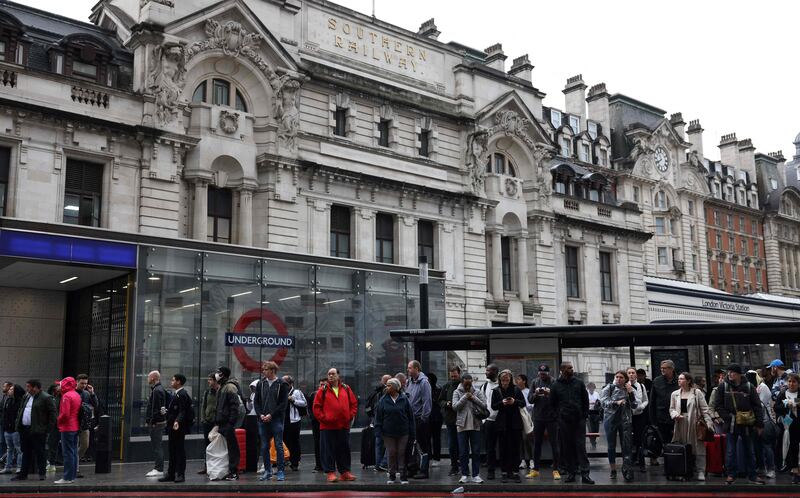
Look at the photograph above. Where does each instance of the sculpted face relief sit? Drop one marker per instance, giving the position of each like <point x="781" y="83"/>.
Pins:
<point x="375" y="46"/>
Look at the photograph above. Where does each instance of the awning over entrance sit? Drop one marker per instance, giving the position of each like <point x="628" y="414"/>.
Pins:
<point x="582" y="336"/>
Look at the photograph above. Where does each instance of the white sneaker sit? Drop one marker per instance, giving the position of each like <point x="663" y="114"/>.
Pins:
<point x="51" y="468"/>
<point x="63" y="481"/>
<point x="523" y="464"/>
<point x="155" y="473"/>
<point x="260" y="469"/>
<point x="477" y="480"/>
<point x="771" y="474"/>
<point x="434" y="463"/>
<point x="464" y="480"/>
<point x="701" y="476"/>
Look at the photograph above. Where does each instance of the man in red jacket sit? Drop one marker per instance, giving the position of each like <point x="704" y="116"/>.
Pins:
<point x="68" y="426"/>
<point x="335" y="407"/>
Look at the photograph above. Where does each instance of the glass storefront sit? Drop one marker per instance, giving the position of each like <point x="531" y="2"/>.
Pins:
<point x="338" y="316"/>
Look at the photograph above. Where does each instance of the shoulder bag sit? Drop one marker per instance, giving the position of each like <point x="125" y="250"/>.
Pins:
<point x="702" y="431"/>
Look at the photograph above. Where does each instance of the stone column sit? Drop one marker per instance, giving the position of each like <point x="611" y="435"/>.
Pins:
<point x="200" y="210"/>
<point x="497" y="267"/>
<point x="522" y="267"/>
<point x="245" y="217"/>
<point x="407" y="241"/>
<point x="364" y="243"/>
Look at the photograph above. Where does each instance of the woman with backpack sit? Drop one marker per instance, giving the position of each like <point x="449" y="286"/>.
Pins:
<point x="618" y="400"/>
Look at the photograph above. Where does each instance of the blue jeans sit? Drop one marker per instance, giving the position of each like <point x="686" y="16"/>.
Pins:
<point x="3" y="447"/>
<point x="14" y="448"/>
<point x="731" y="460"/>
<point x="380" y="453"/>
<point x="469" y="443"/>
<point x="267" y="431"/>
<point x="765" y="454"/>
<point x="625" y="432"/>
<point x="69" y="445"/>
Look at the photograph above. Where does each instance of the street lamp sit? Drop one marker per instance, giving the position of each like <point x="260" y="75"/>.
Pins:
<point x="423" y="292"/>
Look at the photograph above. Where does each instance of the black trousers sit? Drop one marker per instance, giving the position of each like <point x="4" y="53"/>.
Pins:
<point x="572" y="437"/>
<point x="229" y="433"/>
<point x="666" y="429"/>
<point x="252" y="443"/>
<point x="490" y="438"/>
<point x="436" y="436"/>
<point x="291" y="436"/>
<point x="53" y="440"/>
<point x="335" y="446"/>
<point x="639" y="426"/>
<point x="33" y="452"/>
<point x="539" y="428"/>
<point x="177" y="452"/>
<point x="509" y="450"/>
<point x="315" y="432"/>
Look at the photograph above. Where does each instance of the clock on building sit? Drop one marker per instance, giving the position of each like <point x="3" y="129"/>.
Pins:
<point x="662" y="159"/>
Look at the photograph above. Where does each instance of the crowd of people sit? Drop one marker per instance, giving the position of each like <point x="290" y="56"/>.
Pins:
<point x="506" y="417"/>
<point x="38" y="427"/>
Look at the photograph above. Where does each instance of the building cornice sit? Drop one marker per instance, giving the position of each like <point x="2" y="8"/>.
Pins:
<point x="638" y="235"/>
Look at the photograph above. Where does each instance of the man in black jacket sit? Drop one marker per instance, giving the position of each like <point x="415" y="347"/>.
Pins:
<point x="737" y="395"/>
<point x="35" y="419"/>
<point x="180" y="417"/>
<point x="156" y="420"/>
<point x="228" y="401"/>
<point x="545" y="418"/>
<point x="660" y="395"/>
<point x="570" y="399"/>
<point x="449" y="415"/>
<point x="270" y="402"/>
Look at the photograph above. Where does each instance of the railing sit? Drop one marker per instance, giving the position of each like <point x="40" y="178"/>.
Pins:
<point x="8" y="78"/>
<point x="572" y="204"/>
<point x="603" y="211"/>
<point x="90" y="97"/>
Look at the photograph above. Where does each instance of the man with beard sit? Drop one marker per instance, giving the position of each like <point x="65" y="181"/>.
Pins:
<point x="570" y="399"/>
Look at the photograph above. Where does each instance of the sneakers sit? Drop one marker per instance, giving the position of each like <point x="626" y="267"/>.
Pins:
<point x="232" y="476"/>
<point x="556" y="475"/>
<point x="771" y="474"/>
<point x="265" y="476"/>
<point x="347" y="476"/>
<point x="477" y="480"/>
<point x="280" y="476"/>
<point x="52" y="468"/>
<point x="332" y="477"/>
<point x="63" y="481"/>
<point x="7" y="470"/>
<point x="757" y="480"/>
<point x="532" y="474"/>
<point x="152" y="473"/>
<point x="585" y="479"/>
<point x="464" y="480"/>
<point x="701" y="476"/>
<point x="434" y="463"/>
<point x="391" y="479"/>
<point x="523" y="464"/>
<point x="260" y="469"/>
<point x="613" y="474"/>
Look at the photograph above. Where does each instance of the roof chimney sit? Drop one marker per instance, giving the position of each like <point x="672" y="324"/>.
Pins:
<point x="428" y="30"/>
<point x="728" y="149"/>
<point x="575" y="97"/>
<point x="676" y="120"/>
<point x="695" y="133"/>
<point x="495" y="58"/>
<point x="746" y="156"/>
<point x="597" y="101"/>
<point x="522" y="68"/>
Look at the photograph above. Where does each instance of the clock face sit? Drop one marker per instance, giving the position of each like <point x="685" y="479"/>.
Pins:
<point x="662" y="159"/>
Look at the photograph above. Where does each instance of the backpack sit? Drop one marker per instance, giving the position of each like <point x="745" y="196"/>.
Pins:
<point x="241" y="409"/>
<point x="653" y="444"/>
<point x="85" y="416"/>
<point x="301" y="410"/>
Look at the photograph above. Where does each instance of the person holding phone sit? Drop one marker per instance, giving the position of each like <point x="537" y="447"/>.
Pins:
<point x="618" y="400"/>
<point x="507" y="400"/>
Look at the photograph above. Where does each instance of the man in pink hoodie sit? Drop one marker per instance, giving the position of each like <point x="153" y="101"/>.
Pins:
<point x="68" y="426"/>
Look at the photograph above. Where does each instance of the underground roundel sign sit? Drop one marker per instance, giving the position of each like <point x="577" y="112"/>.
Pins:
<point x="238" y="339"/>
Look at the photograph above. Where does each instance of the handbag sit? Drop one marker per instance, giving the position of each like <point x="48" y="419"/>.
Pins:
<point x="702" y="431"/>
<point x="527" y="423"/>
<point x="743" y="419"/>
<point x="480" y="411"/>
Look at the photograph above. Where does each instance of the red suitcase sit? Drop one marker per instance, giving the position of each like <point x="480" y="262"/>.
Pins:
<point x="241" y="438"/>
<point x="715" y="455"/>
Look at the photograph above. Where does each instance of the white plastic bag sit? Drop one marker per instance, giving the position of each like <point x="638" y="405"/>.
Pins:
<point x="216" y="456"/>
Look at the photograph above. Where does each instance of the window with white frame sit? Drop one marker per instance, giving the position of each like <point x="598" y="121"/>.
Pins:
<point x="592" y="128"/>
<point x="663" y="256"/>
<point x="555" y="118"/>
<point x="661" y="227"/>
<point x="575" y="124"/>
<point x="635" y="194"/>
<point x="661" y="200"/>
<point x="585" y="154"/>
<point x="565" y="147"/>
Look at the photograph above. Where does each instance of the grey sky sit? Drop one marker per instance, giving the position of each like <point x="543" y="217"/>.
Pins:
<point x="731" y="63"/>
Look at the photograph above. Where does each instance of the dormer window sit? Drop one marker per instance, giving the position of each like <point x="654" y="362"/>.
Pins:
<point x="84" y="69"/>
<point x="592" y="127"/>
<point x="602" y="157"/>
<point x="565" y="148"/>
<point x="575" y="124"/>
<point x="19" y="57"/>
<point x="585" y="154"/>
<point x="555" y="118"/>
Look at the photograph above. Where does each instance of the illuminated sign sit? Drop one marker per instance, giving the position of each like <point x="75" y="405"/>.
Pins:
<point x="259" y="341"/>
<point x="68" y="249"/>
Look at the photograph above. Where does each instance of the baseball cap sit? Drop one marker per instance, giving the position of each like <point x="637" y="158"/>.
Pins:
<point x="776" y="363"/>
<point x="544" y="368"/>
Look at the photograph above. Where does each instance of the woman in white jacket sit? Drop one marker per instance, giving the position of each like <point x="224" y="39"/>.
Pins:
<point x="639" y="418"/>
<point x="686" y="405"/>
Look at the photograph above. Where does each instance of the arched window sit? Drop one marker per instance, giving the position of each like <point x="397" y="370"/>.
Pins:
<point x="661" y="201"/>
<point x="500" y="164"/>
<point x="222" y="92"/>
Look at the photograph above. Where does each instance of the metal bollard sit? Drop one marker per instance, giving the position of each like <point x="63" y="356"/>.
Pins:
<point x="103" y="444"/>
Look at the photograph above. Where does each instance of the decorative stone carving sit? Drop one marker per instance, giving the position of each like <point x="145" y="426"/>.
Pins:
<point x="641" y="146"/>
<point x="168" y="3"/>
<point x="512" y="124"/>
<point x="166" y="79"/>
<point x="511" y="187"/>
<point x="286" y="91"/>
<point x="477" y="148"/>
<point x="235" y="41"/>
<point x="228" y="121"/>
<point x="541" y="156"/>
